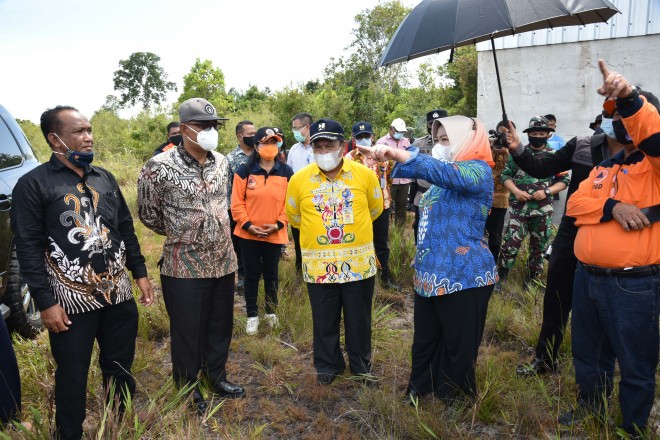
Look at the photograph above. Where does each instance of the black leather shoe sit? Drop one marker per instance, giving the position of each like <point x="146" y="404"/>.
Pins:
<point x="325" y="379"/>
<point x="198" y="402"/>
<point x="537" y="367"/>
<point x="412" y="397"/>
<point x="227" y="389"/>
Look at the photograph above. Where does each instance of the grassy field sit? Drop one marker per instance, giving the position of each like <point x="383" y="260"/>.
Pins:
<point x="275" y="366"/>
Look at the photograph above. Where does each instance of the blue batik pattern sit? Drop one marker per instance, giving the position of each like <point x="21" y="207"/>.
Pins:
<point x="452" y="254"/>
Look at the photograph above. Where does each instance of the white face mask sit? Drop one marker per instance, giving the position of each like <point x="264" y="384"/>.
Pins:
<point x="606" y="126"/>
<point x="441" y="152"/>
<point x="207" y="139"/>
<point x="328" y="161"/>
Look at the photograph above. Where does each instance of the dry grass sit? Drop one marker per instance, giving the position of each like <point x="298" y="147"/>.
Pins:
<point x="283" y="400"/>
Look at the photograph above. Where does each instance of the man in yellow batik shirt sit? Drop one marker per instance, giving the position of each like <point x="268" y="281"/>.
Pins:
<point x="334" y="202"/>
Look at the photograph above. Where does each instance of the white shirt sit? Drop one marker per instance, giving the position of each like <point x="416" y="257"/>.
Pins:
<point x="300" y="156"/>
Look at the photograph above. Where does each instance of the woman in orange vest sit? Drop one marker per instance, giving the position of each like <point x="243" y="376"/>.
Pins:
<point x="257" y="206"/>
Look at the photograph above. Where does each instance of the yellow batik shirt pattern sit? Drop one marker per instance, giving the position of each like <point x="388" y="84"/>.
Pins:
<point x="335" y="221"/>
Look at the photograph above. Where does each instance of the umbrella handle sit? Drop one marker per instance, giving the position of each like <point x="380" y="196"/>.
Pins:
<point x="503" y="140"/>
<point x="505" y="119"/>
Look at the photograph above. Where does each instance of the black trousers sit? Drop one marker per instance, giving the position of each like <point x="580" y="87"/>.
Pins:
<point x="381" y="228"/>
<point x="328" y="301"/>
<point x="295" y="232"/>
<point x="558" y="297"/>
<point x="10" y="380"/>
<point x="400" y="199"/>
<point x="201" y="314"/>
<point x="494" y="226"/>
<point x="115" y="328"/>
<point x="448" y="332"/>
<point x="260" y="257"/>
<point x="235" y="244"/>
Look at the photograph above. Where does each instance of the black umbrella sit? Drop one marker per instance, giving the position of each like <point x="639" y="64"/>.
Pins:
<point x="435" y="26"/>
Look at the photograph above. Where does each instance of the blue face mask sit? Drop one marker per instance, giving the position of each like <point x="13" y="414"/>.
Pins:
<point x="76" y="158"/>
<point x="299" y="136"/>
<point x="606" y="126"/>
<point x="398" y="135"/>
<point x="365" y="142"/>
<point x="279" y="144"/>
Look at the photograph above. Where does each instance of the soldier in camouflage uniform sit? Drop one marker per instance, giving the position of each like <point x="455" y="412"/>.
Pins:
<point x="530" y="205"/>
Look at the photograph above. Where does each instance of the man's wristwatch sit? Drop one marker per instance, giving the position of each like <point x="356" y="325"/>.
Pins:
<point x="547" y="192"/>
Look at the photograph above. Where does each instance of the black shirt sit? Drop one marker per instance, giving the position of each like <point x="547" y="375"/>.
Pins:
<point x="73" y="236"/>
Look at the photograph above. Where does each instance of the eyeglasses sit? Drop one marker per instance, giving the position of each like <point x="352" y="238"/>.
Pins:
<point x="299" y="128"/>
<point x="269" y="141"/>
<point x="204" y="124"/>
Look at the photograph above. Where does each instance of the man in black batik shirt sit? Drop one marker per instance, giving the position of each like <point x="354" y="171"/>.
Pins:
<point x="74" y="235"/>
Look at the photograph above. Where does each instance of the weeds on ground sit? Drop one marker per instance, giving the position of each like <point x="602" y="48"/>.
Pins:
<point x="283" y="399"/>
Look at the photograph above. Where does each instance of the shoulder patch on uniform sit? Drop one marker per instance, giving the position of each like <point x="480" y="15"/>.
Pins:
<point x="602" y="175"/>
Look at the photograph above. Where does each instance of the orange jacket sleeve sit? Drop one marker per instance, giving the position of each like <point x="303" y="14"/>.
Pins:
<point x="642" y="122"/>
<point x="589" y="205"/>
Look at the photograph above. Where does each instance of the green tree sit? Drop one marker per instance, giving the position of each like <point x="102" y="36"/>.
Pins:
<point x="36" y="138"/>
<point x="251" y="99"/>
<point x="463" y="74"/>
<point x="141" y="79"/>
<point x="358" y="75"/>
<point x="208" y="82"/>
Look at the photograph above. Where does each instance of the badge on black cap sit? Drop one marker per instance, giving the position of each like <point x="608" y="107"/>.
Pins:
<point x="436" y="115"/>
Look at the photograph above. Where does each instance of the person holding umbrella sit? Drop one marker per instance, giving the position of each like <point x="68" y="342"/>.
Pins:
<point x="454" y="270"/>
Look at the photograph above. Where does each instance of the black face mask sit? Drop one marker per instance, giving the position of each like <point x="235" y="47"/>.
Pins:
<point x="620" y="132"/>
<point x="537" y="142"/>
<point x="177" y="139"/>
<point x="249" y="141"/>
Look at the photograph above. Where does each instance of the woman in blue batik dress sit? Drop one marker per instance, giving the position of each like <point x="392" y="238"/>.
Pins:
<point x="454" y="269"/>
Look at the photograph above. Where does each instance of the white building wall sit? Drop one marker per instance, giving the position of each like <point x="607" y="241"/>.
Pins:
<point x="562" y="79"/>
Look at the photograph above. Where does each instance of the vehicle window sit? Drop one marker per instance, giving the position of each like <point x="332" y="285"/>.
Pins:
<point x="10" y="154"/>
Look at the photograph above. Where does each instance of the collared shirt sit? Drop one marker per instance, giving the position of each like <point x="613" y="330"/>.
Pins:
<point x="383" y="171"/>
<point x="300" y="156"/>
<point x="401" y="144"/>
<point x="187" y="202"/>
<point x="74" y="235"/>
<point x="335" y="221"/>
<point x="556" y="142"/>
<point x="236" y="159"/>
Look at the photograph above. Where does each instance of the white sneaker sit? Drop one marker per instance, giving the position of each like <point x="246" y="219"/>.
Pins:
<point x="271" y="319"/>
<point x="252" y="326"/>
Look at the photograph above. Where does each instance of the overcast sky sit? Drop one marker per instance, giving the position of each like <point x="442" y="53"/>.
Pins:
<point x="65" y="51"/>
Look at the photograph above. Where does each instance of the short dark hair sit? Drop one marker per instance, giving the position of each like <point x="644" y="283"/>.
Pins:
<point x="550" y="117"/>
<point x="172" y="125"/>
<point x="50" y="121"/>
<point x="243" y="123"/>
<point x="501" y="124"/>
<point x="304" y="117"/>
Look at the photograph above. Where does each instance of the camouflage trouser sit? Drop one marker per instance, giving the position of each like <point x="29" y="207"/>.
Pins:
<point x="519" y="226"/>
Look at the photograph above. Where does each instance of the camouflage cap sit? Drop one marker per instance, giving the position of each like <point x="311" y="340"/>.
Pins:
<point x="538" y="123"/>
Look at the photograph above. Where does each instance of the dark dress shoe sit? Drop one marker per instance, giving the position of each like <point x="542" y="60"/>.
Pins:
<point x="198" y="401"/>
<point x="227" y="389"/>
<point x="537" y="367"/>
<point x="412" y="397"/>
<point x="325" y="379"/>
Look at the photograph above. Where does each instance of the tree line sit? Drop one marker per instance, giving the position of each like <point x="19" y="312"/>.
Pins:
<point x="353" y="88"/>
